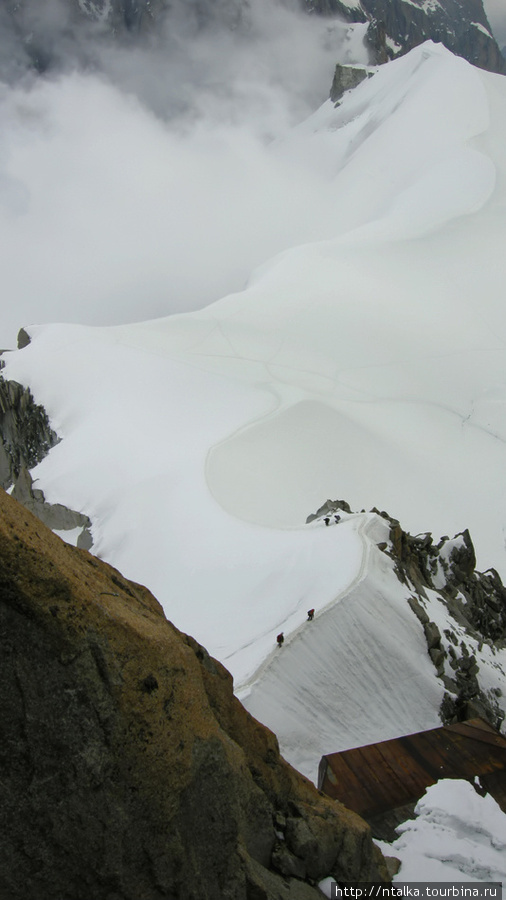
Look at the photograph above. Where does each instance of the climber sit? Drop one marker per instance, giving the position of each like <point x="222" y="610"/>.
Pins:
<point x="310" y="615"/>
<point x="280" y="638"/>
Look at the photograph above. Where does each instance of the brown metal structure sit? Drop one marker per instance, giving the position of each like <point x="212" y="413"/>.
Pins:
<point x="382" y="782"/>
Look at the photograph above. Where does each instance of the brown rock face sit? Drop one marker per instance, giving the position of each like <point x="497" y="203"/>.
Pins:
<point x="128" y="770"/>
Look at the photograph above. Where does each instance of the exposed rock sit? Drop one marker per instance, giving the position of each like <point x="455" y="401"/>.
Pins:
<point x="345" y="79"/>
<point x="393" y="865"/>
<point x="419" y="611"/>
<point x="432" y="635"/>
<point x="330" y="507"/>
<point x="336" y="8"/>
<point x="461" y="25"/>
<point x="128" y="768"/>
<point x="23" y="339"/>
<point x="54" y="515"/>
<point x="474" y="601"/>
<point x="287" y="863"/>
<point x="438" y="657"/>
<point x="381" y="48"/>
<point x="26" y="435"/>
<point x="396" y="26"/>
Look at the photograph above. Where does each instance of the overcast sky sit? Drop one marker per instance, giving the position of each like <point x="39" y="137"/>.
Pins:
<point x="496" y="13"/>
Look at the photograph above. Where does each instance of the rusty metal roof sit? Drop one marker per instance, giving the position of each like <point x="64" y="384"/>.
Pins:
<point x="380" y="777"/>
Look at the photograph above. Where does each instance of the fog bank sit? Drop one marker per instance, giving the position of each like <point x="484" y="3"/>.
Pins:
<point x="142" y="180"/>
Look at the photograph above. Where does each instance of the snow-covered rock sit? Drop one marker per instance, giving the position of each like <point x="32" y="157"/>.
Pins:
<point x="457" y="835"/>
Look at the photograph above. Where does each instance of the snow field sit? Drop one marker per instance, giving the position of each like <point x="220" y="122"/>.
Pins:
<point x="365" y="363"/>
<point x="359" y="673"/>
<point x="368" y="366"/>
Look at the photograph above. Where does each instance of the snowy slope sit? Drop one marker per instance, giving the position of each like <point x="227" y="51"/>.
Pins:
<point x="457" y="836"/>
<point x="359" y="669"/>
<point x="367" y="363"/>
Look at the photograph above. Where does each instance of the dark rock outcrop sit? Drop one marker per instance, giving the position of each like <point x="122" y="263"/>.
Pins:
<point x="461" y="25"/>
<point x="441" y="582"/>
<point x="477" y="599"/>
<point x="336" y="8"/>
<point x="330" y="507"/>
<point x="396" y="26"/>
<point x="56" y="516"/>
<point x="345" y="79"/>
<point x="128" y="768"/>
<point x="26" y="435"/>
<point x="475" y="605"/>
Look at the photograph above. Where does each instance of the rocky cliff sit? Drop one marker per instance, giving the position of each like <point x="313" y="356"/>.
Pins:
<point x="396" y="26"/>
<point x="129" y="771"/>
<point x="26" y="437"/>
<point x="443" y="578"/>
<point x="462" y="612"/>
<point x="25" y="433"/>
<point x="42" y="33"/>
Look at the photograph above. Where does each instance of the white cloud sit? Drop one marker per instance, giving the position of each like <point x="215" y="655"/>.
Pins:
<point x="152" y="185"/>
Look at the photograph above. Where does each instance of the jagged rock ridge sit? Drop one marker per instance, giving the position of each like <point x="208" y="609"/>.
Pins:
<point x="396" y="26"/>
<point x="128" y="768"/>
<point x="441" y="581"/>
<point x="476" y="615"/>
<point x="26" y="437"/>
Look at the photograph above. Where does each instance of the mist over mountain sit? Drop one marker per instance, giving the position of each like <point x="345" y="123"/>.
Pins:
<point x="115" y="172"/>
<point x="127" y="131"/>
<point x="52" y="33"/>
<point x="398" y="26"/>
